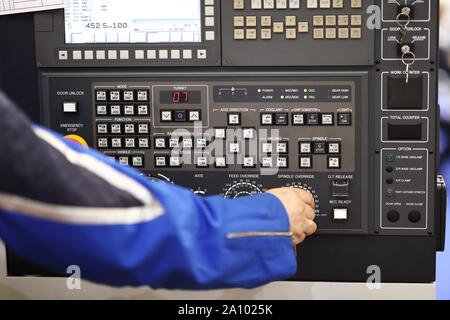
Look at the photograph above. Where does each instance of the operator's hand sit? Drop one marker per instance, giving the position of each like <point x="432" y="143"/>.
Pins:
<point x="299" y="205"/>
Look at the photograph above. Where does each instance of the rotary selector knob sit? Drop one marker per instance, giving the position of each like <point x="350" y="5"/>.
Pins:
<point x="158" y="177"/>
<point x="310" y="190"/>
<point x="242" y="189"/>
<point x="200" y="192"/>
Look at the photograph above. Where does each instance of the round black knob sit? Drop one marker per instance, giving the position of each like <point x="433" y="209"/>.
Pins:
<point x="389" y="181"/>
<point x="414" y="216"/>
<point x="389" y="169"/>
<point x="393" y="216"/>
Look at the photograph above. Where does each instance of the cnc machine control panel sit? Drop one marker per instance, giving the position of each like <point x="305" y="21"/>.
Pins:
<point x="234" y="97"/>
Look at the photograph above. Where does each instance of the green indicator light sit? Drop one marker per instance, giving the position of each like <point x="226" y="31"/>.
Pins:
<point x="390" y="158"/>
<point x="389" y="193"/>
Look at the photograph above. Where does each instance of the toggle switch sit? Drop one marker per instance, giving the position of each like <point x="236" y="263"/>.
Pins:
<point x="340" y="188"/>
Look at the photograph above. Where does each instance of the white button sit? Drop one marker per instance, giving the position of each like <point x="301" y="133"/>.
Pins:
<point x="268" y="4"/>
<point x="143" y="110"/>
<point x="187" y="143"/>
<point x="160" y="143"/>
<point x="175" y="162"/>
<point x="256" y="4"/>
<point x="128" y="95"/>
<point x="327" y="119"/>
<point x="298" y="119"/>
<point x="143" y="128"/>
<point x="221" y="162"/>
<point x="70" y="107"/>
<point x="63" y="55"/>
<point x="209" y="35"/>
<point x="151" y="54"/>
<point x="281" y="4"/>
<point x="305" y="147"/>
<point x="305" y="162"/>
<point x="234" y="119"/>
<point x="112" y="54"/>
<point x="267" y="162"/>
<point x="209" y="11"/>
<point x="129" y="128"/>
<point x="166" y="116"/>
<point x="282" y="162"/>
<point x="143" y="142"/>
<point x="312" y="4"/>
<point x="294" y="4"/>
<point x="194" y="116"/>
<point x="124" y="54"/>
<point x="334" y="162"/>
<point x="235" y="147"/>
<point x="138" y="161"/>
<point x="130" y="143"/>
<point x="139" y="54"/>
<point x="102" y="128"/>
<point x="325" y="4"/>
<point x="219" y="133"/>
<point x="89" y="55"/>
<point x="249" y="133"/>
<point x="187" y="54"/>
<point x="267" y="118"/>
<point x="163" y="54"/>
<point x="249" y="162"/>
<point x="100" y="55"/>
<point x="123" y="161"/>
<point x="114" y="95"/>
<point x="102" y="143"/>
<point x="101" y="95"/>
<point x="77" y="55"/>
<point x="115" y="110"/>
<point x="209" y="21"/>
<point x="174" y="142"/>
<point x="201" y="143"/>
<point x="116" y="128"/>
<point x="142" y="95"/>
<point x="334" y="147"/>
<point x="116" y="143"/>
<point x="267" y="147"/>
<point x="101" y="110"/>
<point x="175" y="54"/>
<point x="202" y="162"/>
<point x="160" y="161"/>
<point x="282" y="147"/>
<point x="340" y="214"/>
<point x="209" y="2"/>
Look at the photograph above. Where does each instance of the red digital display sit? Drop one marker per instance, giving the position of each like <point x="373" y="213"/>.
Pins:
<point x="180" y="97"/>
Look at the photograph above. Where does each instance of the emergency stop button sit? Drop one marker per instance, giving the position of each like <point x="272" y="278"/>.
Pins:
<point x="70" y="107"/>
<point x="340" y="214"/>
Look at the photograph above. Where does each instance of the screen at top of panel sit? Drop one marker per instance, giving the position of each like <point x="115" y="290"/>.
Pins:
<point x="133" y="21"/>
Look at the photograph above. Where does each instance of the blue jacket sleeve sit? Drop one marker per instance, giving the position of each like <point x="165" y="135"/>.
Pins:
<point x="192" y="242"/>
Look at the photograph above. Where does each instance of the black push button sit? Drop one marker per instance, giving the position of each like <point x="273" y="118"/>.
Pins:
<point x="404" y="131"/>
<point x="281" y="119"/>
<point x="180" y="116"/>
<point x="414" y="216"/>
<point x="320" y="148"/>
<point x="393" y="216"/>
<point x="405" y="96"/>
<point x="312" y="119"/>
<point x="344" y="119"/>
